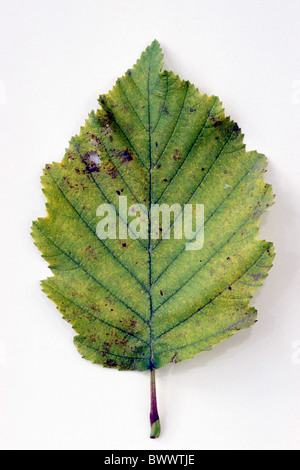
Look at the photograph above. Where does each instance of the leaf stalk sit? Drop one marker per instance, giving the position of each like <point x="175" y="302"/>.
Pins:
<point x="154" y="416"/>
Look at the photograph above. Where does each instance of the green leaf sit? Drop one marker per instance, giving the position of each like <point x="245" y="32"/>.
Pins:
<point x="141" y="303"/>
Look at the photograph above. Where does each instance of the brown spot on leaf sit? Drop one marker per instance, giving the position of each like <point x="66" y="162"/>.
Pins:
<point x="92" y="162"/>
<point x="111" y="363"/>
<point x="175" y="358"/>
<point x="90" y="251"/>
<point x="176" y="155"/>
<point x="256" y="277"/>
<point x="125" y="155"/>
<point x="113" y="173"/>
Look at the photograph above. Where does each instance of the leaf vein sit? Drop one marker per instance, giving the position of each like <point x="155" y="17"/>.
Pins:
<point x="190" y="149"/>
<point x="132" y="106"/>
<point x="94" y="316"/>
<point x="175" y="126"/>
<point x="244" y="320"/>
<point x="213" y="255"/>
<point x="92" y="277"/>
<point x="92" y="231"/>
<point x="211" y="300"/>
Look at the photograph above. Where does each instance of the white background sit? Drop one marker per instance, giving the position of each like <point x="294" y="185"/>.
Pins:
<point x="57" y="56"/>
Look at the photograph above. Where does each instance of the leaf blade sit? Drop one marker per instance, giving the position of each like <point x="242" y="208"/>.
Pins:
<point x="141" y="304"/>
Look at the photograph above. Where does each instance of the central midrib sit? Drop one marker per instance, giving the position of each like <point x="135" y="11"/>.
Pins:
<point x="150" y="223"/>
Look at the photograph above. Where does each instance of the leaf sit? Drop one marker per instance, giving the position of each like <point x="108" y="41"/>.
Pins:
<point x="141" y="303"/>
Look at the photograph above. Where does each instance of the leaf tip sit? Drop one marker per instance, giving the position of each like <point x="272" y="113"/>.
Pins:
<point x="155" y="49"/>
<point x="155" y="44"/>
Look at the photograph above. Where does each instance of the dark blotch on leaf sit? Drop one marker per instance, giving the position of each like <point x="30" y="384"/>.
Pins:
<point x="125" y="156"/>
<point x="91" y="166"/>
